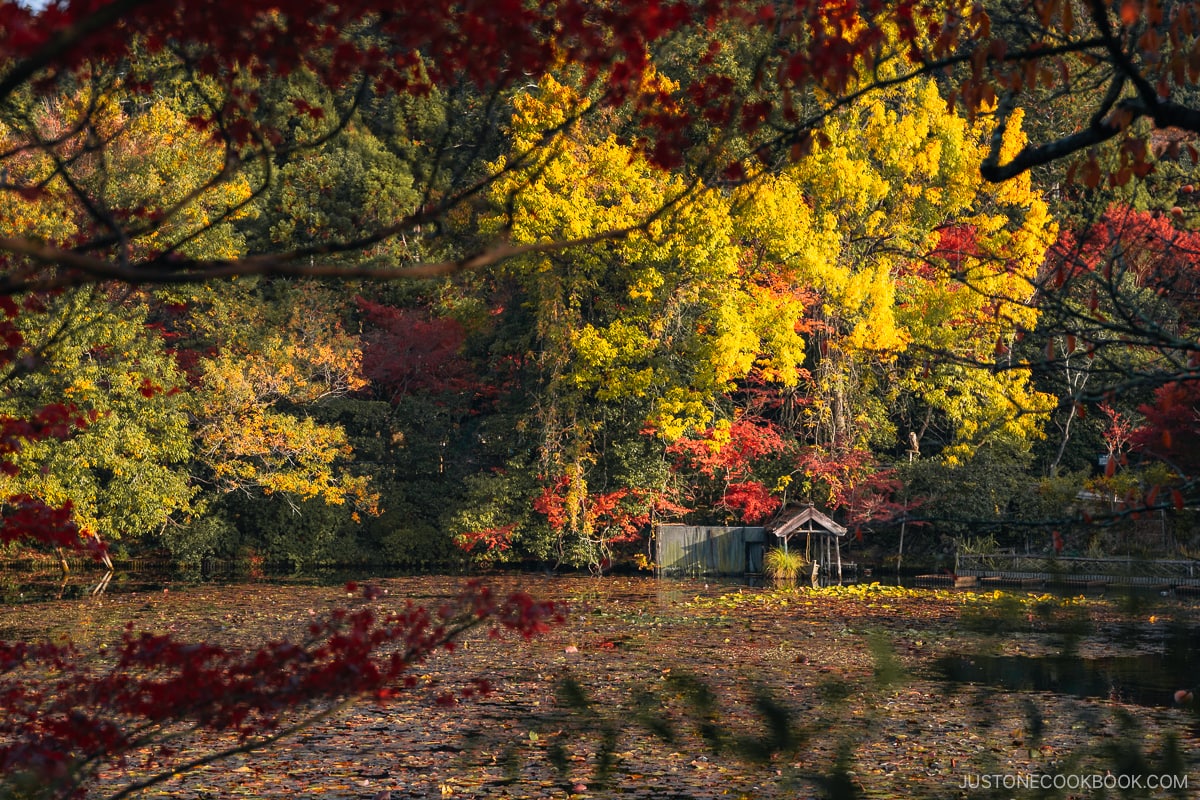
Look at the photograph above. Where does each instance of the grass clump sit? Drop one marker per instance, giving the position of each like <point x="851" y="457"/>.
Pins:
<point x="783" y="566"/>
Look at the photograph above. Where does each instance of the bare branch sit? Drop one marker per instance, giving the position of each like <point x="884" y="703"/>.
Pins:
<point x="1038" y="155"/>
<point x="77" y="269"/>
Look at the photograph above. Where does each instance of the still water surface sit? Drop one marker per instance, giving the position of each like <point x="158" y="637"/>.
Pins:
<point x="1148" y="679"/>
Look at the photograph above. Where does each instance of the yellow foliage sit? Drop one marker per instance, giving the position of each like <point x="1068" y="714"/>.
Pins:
<point x="155" y="166"/>
<point x="854" y="221"/>
<point x="302" y="357"/>
<point x="660" y="310"/>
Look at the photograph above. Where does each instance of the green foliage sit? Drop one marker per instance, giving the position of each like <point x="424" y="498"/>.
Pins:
<point x="333" y="194"/>
<point x="209" y="534"/>
<point x="498" y="503"/>
<point x="299" y="535"/>
<point x="126" y="472"/>
<point x="414" y="454"/>
<point x="972" y="496"/>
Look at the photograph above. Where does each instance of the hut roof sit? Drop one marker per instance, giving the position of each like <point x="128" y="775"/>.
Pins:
<point x="805" y="519"/>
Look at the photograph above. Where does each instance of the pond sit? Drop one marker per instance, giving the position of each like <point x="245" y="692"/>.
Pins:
<point x="1168" y="664"/>
<point x="1150" y="679"/>
<point x="26" y="583"/>
<point x="878" y="682"/>
<point x="46" y="582"/>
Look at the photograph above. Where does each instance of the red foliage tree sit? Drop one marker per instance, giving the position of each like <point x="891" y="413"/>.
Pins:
<point x="729" y="454"/>
<point x="729" y="458"/>
<point x="1119" y="434"/>
<point x="1125" y="291"/>
<point x="1146" y="248"/>
<point x="851" y="481"/>
<point x="488" y="540"/>
<point x="408" y="352"/>
<point x="750" y="500"/>
<point x="1171" y="432"/>
<point x="614" y="518"/>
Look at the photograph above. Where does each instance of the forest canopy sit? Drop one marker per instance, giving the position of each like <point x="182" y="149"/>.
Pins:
<point x="913" y="262"/>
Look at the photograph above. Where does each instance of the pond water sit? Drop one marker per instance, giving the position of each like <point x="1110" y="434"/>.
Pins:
<point x="1148" y="679"/>
<point x="34" y="586"/>
<point x="1169" y="661"/>
<point x="21" y="584"/>
<point x="632" y="644"/>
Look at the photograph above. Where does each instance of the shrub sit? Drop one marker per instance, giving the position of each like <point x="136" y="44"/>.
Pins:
<point x="783" y="566"/>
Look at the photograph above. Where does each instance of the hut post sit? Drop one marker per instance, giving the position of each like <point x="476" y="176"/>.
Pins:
<point x="828" y="561"/>
<point x="838" y="544"/>
<point x="821" y="562"/>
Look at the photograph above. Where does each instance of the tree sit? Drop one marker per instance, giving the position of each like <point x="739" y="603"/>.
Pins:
<point x="627" y="335"/>
<point x="912" y="276"/>
<point x="436" y="400"/>
<point x="252" y="431"/>
<point x="1114" y="336"/>
<point x="733" y="460"/>
<point x="134" y="470"/>
<point x="929" y="260"/>
<point x="407" y="352"/>
<point x="124" y="473"/>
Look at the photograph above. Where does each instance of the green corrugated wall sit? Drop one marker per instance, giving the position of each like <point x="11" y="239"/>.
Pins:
<point x="706" y="550"/>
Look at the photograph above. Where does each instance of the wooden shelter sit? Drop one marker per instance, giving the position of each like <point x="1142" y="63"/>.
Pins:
<point x="702" y="550"/>
<point x="813" y="525"/>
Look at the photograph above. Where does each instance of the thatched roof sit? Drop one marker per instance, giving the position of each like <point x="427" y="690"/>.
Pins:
<point x="804" y="520"/>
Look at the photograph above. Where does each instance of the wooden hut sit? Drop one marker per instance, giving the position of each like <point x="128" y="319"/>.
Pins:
<point x="818" y="530"/>
<point x="702" y="550"/>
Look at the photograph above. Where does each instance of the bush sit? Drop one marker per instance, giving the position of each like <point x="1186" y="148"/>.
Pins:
<point x="783" y="566"/>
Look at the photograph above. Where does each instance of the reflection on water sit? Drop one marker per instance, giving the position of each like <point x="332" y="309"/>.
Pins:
<point x="25" y="585"/>
<point x="1147" y="679"/>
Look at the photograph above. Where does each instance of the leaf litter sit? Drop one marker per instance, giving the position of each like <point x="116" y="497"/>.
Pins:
<point x="659" y="689"/>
